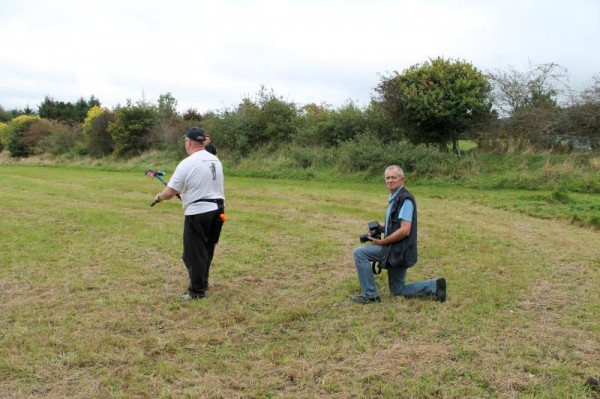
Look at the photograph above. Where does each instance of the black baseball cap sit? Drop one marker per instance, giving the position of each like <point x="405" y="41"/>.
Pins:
<point x="196" y="133"/>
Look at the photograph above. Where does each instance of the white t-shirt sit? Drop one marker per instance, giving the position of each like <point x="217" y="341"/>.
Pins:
<point x="200" y="175"/>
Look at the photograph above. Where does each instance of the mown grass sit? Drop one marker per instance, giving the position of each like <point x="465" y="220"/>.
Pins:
<point x="90" y="275"/>
<point x="545" y="185"/>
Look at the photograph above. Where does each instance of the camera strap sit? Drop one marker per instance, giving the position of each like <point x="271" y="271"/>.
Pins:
<point x="376" y="266"/>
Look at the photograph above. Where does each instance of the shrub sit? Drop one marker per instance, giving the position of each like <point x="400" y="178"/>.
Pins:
<point x="5" y="133"/>
<point x="35" y="135"/>
<point x="16" y="131"/>
<point x="131" y="129"/>
<point x="420" y="160"/>
<point x="63" y="139"/>
<point x="95" y="129"/>
<point x="363" y="153"/>
<point x="367" y="153"/>
<point x="309" y="156"/>
<point x="341" y="125"/>
<point x="167" y="133"/>
<point x="2" y="141"/>
<point x="235" y="129"/>
<point x="311" y="117"/>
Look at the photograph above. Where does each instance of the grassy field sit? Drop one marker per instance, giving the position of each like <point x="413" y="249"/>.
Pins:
<point x="90" y="275"/>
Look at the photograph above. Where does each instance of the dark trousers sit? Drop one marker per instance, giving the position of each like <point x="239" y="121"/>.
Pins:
<point x="200" y="235"/>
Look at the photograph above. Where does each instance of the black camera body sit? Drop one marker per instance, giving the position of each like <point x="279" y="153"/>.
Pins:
<point x="375" y="231"/>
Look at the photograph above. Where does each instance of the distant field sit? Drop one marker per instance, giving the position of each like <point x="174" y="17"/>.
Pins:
<point x="465" y="145"/>
<point x="90" y="275"/>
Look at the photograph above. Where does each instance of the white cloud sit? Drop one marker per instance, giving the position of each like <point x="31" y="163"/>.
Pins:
<point x="209" y="54"/>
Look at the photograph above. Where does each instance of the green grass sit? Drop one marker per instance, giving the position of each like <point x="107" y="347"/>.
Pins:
<point x="90" y="274"/>
<point x="577" y="172"/>
<point x="576" y="208"/>
<point x="465" y="145"/>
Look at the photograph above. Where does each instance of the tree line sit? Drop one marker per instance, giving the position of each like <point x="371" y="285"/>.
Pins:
<point x="435" y="103"/>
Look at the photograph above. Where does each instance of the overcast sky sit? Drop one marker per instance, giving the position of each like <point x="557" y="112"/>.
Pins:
<point x="211" y="54"/>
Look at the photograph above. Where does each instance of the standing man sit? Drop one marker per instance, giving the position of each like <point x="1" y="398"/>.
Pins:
<point x="397" y="251"/>
<point x="199" y="180"/>
<point x="208" y="146"/>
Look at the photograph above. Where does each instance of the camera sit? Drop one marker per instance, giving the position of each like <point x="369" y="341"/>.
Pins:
<point x="374" y="232"/>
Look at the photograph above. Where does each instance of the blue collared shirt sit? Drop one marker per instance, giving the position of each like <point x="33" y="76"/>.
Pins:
<point x="405" y="213"/>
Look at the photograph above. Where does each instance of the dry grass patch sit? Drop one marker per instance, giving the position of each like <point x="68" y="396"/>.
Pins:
<point x="90" y="281"/>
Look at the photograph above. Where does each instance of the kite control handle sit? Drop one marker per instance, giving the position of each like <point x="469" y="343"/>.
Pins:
<point x="159" y="174"/>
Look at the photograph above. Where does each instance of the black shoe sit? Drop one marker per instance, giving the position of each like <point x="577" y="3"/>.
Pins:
<point x="364" y="300"/>
<point x="440" y="290"/>
<point x="187" y="296"/>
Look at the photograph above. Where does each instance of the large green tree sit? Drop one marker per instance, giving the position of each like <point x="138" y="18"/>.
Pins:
<point x="436" y="101"/>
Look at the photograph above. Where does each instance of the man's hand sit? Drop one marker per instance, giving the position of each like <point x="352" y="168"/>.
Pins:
<point x="166" y="194"/>
<point x="375" y="241"/>
<point x="156" y="200"/>
<point x="397" y="235"/>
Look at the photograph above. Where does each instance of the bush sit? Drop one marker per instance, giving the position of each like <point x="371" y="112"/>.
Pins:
<point x="37" y="132"/>
<point x="420" y="160"/>
<point x="2" y="141"/>
<point x="167" y="133"/>
<point x="341" y="125"/>
<point x="16" y="131"/>
<point x="363" y="153"/>
<point x="95" y="129"/>
<point x="310" y="157"/>
<point x="537" y="126"/>
<point x="131" y="130"/>
<point x="367" y="153"/>
<point x="235" y="130"/>
<point x="311" y="117"/>
<point x="64" y="139"/>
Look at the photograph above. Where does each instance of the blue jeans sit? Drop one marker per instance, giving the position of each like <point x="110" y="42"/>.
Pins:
<point x="365" y="254"/>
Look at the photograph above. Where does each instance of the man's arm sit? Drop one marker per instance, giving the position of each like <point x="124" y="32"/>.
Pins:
<point x="165" y="194"/>
<point x="405" y="216"/>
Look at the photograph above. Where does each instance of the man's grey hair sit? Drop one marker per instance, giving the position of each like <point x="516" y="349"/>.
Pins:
<point x="398" y="169"/>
